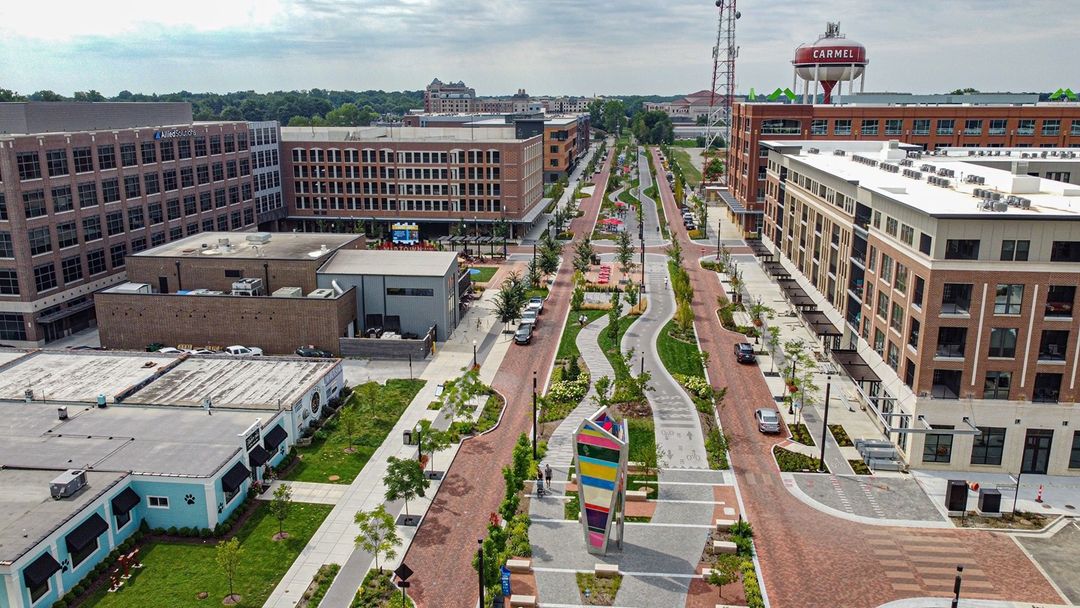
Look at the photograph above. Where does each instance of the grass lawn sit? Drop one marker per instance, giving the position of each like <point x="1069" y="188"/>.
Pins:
<point x="611" y="350"/>
<point x="685" y="143"/>
<point x="175" y="573"/>
<point x="689" y="171"/>
<point x="486" y="272"/>
<point x="540" y="292"/>
<point x="602" y="590"/>
<point x="678" y="356"/>
<point x="381" y="405"/>
<point x="568" y="343"/>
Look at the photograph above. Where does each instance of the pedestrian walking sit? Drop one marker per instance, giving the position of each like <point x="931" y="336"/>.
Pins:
<point x="539" y="482"/>
<point x="547" y="475"/>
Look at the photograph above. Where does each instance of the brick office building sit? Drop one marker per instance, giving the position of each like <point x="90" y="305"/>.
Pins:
<point x="83" y="185"/>
<point x="953" y="288"/>
<point x="435" y="177"/>
<point x="931" y="122"/>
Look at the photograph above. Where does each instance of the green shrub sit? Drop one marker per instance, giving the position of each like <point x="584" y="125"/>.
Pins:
<point x="716" y="447"/>
<point x="750" y="586"/>
<point x="321" y="435"/>
<point x="205" y="533"/>
<point x="171" y="531"/>
<point x="742" y="528"/>
<point x="790" y="462"/>
<point x="79" y="589"/>
<point x="60" y="604"/>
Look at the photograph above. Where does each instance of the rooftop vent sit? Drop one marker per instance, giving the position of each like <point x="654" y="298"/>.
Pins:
<point x="839" y="153"/>
<point x="261" y="238"/>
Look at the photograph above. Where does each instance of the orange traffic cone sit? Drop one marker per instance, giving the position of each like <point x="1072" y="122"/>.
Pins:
<point x="1038" y="497"/>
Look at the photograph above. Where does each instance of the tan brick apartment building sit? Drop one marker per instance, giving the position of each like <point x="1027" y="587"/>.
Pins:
<point x="83" y="185"/>
<point x="432" y="176"/>
<point x="955" y="283"/>
<point x="1008" y="121"/>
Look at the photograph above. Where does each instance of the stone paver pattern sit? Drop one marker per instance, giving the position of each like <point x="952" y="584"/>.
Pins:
<point x="811" y="559"/>
<point x="1059" y="557"/>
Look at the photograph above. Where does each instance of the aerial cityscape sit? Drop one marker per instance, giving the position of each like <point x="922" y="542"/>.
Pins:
<point x="394" y="303"/>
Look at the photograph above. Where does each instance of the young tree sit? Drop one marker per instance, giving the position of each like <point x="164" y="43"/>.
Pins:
<point x="404" y="480"/>
<point x="625" y="252"/>
<point x="684" y="317"/>
<point x="458" y="394"/>
<point x="631" y="293"/>
<point x="532" y="272"/>
<point x="280" y="507"/>
<point x="378" y="534"/>
<point x="577" y="298"/>
<point x="602" y="386"/>
<point x="725" y="570"/>
<point x="349" y="421"/>
<point x="432" y="440"/>
<point x="228" y="554"/>
<point x="678" y="190"/>
<point x="674" y="253"/>
<point x="510" y="299"/>
<point x="613" y="318"/>
<point x="549" y="255"/>
<point x="583" y="252"/>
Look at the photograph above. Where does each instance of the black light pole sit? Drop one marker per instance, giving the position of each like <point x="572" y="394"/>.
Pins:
<point x="534" y="415"/>
<point x="791" y="404"/>
<point x="825" y="424"/>
<point x="1016" y="494"/>
<point x="480" y="570"/>
<point x="956" y="587"/>
<point x="419" y="443"/>
<point x="642" y="263"/>
<point x="474" y="353"/>
<point x="719" y="222"/>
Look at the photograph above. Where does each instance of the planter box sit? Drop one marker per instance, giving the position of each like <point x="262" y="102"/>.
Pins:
<point x="303" y="442"/>
<point x="724" y="546"/>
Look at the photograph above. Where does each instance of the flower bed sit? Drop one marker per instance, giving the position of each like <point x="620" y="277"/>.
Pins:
<point x="794" y="462"/>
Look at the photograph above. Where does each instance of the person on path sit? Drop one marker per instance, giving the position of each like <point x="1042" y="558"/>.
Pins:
<point x="547" y="475"/>
<point x="539" y="482"/>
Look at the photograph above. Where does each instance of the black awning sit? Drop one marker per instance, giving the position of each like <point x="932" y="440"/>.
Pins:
<point x="855" y="365"/>
<point x="85" y="533"/>
<point x="40" y="570"/>
<point x="820" y="322"/>
<point x="125" y="501"/>
<point x="275" y="437"/>
<point x="234" y="478"/>
<point x="258" y="456"/>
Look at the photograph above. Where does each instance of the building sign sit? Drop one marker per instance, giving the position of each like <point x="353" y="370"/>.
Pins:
<point x="174" y="133"/>
<point x="504" y="577"/>
<point x="830" y="54"/>
<point x="407" y="234"/>
<point x="251" y="436"/>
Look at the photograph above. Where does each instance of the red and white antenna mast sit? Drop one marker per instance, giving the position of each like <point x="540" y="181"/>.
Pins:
<point x="723" y="75"/>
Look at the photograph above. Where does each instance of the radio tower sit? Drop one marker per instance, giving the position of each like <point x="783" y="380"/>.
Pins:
<point x="723" y="75"/>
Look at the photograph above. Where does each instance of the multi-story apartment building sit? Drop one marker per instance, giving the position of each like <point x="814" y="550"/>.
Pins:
<point x="264" y="138"/>
<point x="431" y="176"/>
<point x="954" y="121"/>
<point x="955" y="285"/>
<point x="82" y="185"/>
<point x="566" y="105"/>
<point x="449" y="97"/>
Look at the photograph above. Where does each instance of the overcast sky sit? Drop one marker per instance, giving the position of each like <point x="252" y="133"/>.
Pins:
<point x="580" y="47"/>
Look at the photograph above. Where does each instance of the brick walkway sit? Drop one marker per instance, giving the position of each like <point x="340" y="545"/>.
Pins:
<point x="811" y="559"/>
<point x="441" y="553"/>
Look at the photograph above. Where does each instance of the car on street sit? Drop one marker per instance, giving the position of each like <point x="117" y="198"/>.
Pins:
<point x="531" y="317"/>
<point x="744" y="353"/>
<point x="168" y="350"/>
<point x="200" y="351"/>
<point x="523" y="335"/>
<point x="311" y="351"/>
<point x="768" y="420"/>
<point x="536" y="304"/>
<point x="238" y="350"/>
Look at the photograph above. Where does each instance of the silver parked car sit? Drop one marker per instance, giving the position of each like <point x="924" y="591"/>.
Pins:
<point x="768" y="420"/>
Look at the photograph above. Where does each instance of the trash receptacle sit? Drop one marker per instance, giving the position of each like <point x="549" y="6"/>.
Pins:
<point x="956" y="497"/>
<point x="989" y="502"/>
<point x="407" y="437"/>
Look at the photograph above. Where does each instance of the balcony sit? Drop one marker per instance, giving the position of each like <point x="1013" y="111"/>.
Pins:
<point x="946" y="384"/>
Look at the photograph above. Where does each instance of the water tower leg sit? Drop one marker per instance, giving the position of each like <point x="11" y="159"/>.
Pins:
<point x="862" y="81"/>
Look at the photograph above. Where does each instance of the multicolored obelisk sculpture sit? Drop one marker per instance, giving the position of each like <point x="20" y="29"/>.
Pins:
<point x="600" y="449"/>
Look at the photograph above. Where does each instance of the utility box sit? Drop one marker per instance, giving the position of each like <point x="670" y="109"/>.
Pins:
<point x="407" y="437"/>
<point x="956" y="497"/>
<point x="288" y="292"/>
<point x="989" y="502"/>
<point x="67" y="484"/>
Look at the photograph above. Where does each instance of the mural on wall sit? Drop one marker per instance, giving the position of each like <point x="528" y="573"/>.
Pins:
<point x="600" y="452"/>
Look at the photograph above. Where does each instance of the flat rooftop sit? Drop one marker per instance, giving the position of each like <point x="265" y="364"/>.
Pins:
<point x="390" y="263"/>
<point x="258" y="383"/>
<point x="26" y="117"/>
<point x="249" y="245"/>
<point x="78" y="377"/>
<point x="397" y="134"/>
<point x="28" y="512"/>
<point x="1051" y="200"/>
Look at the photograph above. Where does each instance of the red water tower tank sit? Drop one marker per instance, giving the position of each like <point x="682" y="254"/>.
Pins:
<point x="831" y="59"/>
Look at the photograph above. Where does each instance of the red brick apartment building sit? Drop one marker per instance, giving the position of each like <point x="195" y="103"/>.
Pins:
<point x="928" y="125"/>
<point x="431" y="176"/>
<point x="83" y="185"/>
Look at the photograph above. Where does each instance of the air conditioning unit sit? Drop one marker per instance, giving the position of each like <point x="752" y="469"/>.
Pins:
<point x="67" y="484"/>
<point x="288" y="292"/>
<point x="325" y="294"/>
<point x="247" y="287"/>
<point x="259" y="238"/>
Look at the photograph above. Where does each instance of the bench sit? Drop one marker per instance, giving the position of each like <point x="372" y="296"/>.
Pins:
<point x="519" y="566"/>
<point x="522" y="601"/>
<point x="636" y="496"/>
<point x="606" y="570"/>
<point x="723" y="525"/>
<point x="724" y="546"/>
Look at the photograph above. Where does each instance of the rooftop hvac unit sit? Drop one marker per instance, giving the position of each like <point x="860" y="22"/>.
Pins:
<point x="288" y="292"/>
<point x="928" y="168"/>
<point x="1001" y="206"/>
<point x="67" y="484"/>
<point x="946" y="172"/>
<point x="260" y="238"/>
<point x="812" y="150"/>
<point x="839" y="153"/>
<point x="1025" y="203"/>
<point x="325" y="294"/>
<point x="247" y="287"/>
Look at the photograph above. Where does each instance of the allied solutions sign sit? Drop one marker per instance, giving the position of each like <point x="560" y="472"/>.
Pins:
<point x="174" y="133"/>
<point x="830" y="54"/>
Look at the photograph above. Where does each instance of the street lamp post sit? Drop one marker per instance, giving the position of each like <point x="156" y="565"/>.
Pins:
<point x="534" y="416"/>
<point x="719" y="223"/>
<point x="642" y="263"/>
<point x="791" y="403"/>
<point x="480" y="570"/>
<point x="956" y="587"/>
<point x="825" y="423"/>
<point x="474" y="353"/>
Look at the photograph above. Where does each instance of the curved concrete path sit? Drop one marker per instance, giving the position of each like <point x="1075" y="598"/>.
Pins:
<point x="650" y="213"/>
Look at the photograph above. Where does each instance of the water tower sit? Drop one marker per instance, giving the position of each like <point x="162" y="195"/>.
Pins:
<point x="832" y="59"/>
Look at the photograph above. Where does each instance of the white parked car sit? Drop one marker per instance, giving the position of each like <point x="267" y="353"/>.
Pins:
<point x="237" y="350"/>
<point x="536" y="304"/>
<point x="530" y="316"/>
<point x="168" y="350"/>
<point x="200" y="351"/>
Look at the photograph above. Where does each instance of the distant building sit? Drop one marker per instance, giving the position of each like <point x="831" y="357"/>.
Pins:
<point x="566" y="105"/>
<point x="83" y="185"/>
<point x="449" y="97"/>
<point x="266" y="173"/>
<point x="688" y="109"/>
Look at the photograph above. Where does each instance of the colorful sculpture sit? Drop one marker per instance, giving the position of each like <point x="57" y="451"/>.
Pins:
<point x="600" y="451"/>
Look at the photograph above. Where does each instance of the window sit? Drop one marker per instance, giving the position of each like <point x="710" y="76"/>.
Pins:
<point x="61" y="197"/>
<point x="34" y="203"/>
<point x="988" y="446"/>
<point x="956" y="298"/>
<point x="110" y="190"/>
<point x="1053" y="345"/>
<point x="962" y="249"/>
<point x="894" y="126"/>
<point x="71" y="269"/>
<point x="172" y="208"/>
<point x="997" y="385"/>
<point x="900" y="283"/>
<point x="131" y="187"/>
<point x="973" y="126"/>
<point x="168" y="178"/>
<point x="189" y="205"/>
<point x="12" y="327"/>
<point x="136" y="219"/>
<point x="117" y="253"/>
<point x="890" y="226"/>
<point x="157" y="502"/>
<point x="781" y="126"/>
<point x="88" y="195"/>
<point x="114" y="223"/>
<point x="410" y="291"/>
<point x="869" y="126"/>
<point x="1074" y="454"/>
<point x="219" y="172"/>
<point x="1014" y="251"/>
<point x="842" y="127"/>
<point x="913" y="333"/>
<point x="200" y="146"/>
<point x="997" y="126"/>
<point x="168" y="150"/>
<point x="1047" y="388"/>
<point x="138" y="245"/>
<point x="205" y="204"/>
<point x="1059" y="300"/>
<point x="951" y="342"/>
<point x="7" y="249"/>
<point x="149" y="153"/>
<point x="1065" y="251"/>
<point x="106" y="157"/>
<point x="921" y="126"/>
<point x="40" y="240"/>
<point x="36" y="593"/>
<point x="883" y="305"/>
<point x="907" y="234"/>
<point x="3" y="207"/>
<point x="1051" y="127"/>
<point x="9" y="282"/>
<point x="29" y="165"/>
<point x="945" y="126"/>
<point x="84" y="159"/>
<point x="897" y="321"/>
<point x="127" y="155"/>
<point x="155" y="214"/>
<point x="202" y="173"/>
<point x="91" y="228"/>
<point x="230" y="143"/>
<point x="215" y="144"/>
<point x="45" y="277"/>
<point x="894" y="356"/>
<point x="1007" y="299"/>
<point x="925" y="243"/>
<point x="821" y="127"/>
<point x="879" y="342"/>
<point x="95" y="261"/>
<point x="67" y="234"/>
<point x="1026" y="126"/>
<point x="122" y="519"/>
<point x="185" y="148"/>
<point x="187" y="178"/>
<point x="886" y="268"/>
<point x="938" y="446"/>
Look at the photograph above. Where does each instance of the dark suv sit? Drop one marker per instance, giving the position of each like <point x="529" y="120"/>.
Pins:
<point x="744" y="353"/>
